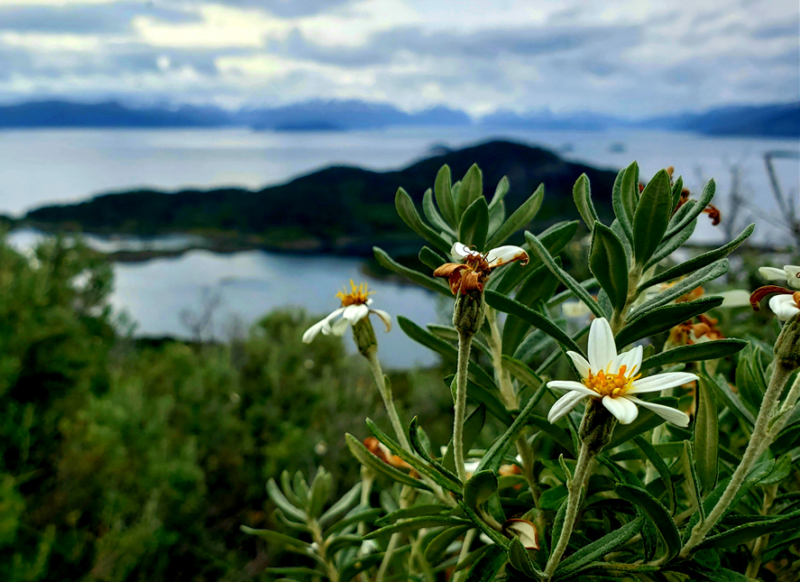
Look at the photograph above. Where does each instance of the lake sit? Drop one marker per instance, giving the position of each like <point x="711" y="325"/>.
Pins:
<point x="46" y="166"/>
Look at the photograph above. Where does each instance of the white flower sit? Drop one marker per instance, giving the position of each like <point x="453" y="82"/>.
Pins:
<point x="495" y="257"/>
<point x="355" y="307"/>
<point x="613" y="378"/>
<point x="784" y="307"/>
<point x="790" y="275"/>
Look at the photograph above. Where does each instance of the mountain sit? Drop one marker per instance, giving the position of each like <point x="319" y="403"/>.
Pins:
<point x="547" y="120"/>
<point x="338" y="209"/>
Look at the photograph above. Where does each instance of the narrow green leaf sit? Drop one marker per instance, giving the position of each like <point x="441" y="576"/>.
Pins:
<point x="472" y="428"/>
<point x="344" y="541"/>
<point x="366" y="514"/>
<point x="444" y="197"/>
<point x="671" y="245"/>
<point x="677" y="188"/>
<point x="490" y="399"/>
<point x="539" y="321"/>
<point x="407" y="211"/>
<point x="280" y="500"/>
<point x="500" y="192"/>
<point x="694" y="209"/>
<point x="663" y="319"/>
<point x="657" y="513"/>
<point x="342" y="506"/>
<point x="416" y="443"/>
<point x="556" y="433"/>
<point x="582" y="195"/>
<point x="469" y="190"/>
<point x="597" y="549"/>
<point x="652" y="217"/>
<point x="629" y="191"/>
<point x="539" y="250"/>
<point x="660" y="466"/>
<point x="357" y="565"/>
<point x="320" y="490"/>
<point x="744" y="533"/>
<point x="706" y="437"/>
<point x="683" y="287"/>
<point x="416" y="523"/>
<point x="366" y="458"/>
<point x="276" y="538"/>
<point x="710" y="350"/>
<point x="300" y="570"/>
<point x="624" y="214"/>
<point x="693" y="481"/>
<point x="608" y="265"/>
<point x="438" y="546"/>
<point x="519" y="219"/>
<point x="730" y="399"/>
<point x="522" y="373"/>
<point x="433" y="216"/>
<point x="479" y="488"/>
<point x="431" y="258"/>
<point x="485" y="569"/>
<point x="539" y="286"/>
<point x="414" y="511"/>
<point x="521" y="559"/>
<point x="474" y="225"/>
<point x="415" y="276"/>
<point x="699" y="261"/>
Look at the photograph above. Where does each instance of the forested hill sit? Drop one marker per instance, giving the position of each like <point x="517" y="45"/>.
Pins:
<point x="334" y="209"/>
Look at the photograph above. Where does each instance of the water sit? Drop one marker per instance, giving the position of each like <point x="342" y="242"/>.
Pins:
<point x="46" y="166"/>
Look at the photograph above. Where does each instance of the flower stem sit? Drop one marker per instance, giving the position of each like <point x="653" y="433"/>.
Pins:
<point x="575" y="489"/>
<point x="388" y="401"/>
<point x="470" y="535"/>
<point x="387" y="556"/>
<point x="761" y="438"/>
<point x="464" y="345"/>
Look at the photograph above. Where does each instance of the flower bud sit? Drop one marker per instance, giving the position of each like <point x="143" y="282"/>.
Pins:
<point x="469" y="312"/>
<point x="787" y="348"/>
<point x="597" y="426"/>
<point x="364" y="336"/>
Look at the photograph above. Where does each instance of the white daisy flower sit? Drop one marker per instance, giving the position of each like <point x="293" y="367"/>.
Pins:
<point x="471" y="269"/>
<point x="790" y="275"/>
<point x="612" y="377"/>
<point x="355" y="307"/>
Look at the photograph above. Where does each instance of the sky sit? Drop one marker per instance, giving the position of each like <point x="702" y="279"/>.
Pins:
<point x="632" y="58"/>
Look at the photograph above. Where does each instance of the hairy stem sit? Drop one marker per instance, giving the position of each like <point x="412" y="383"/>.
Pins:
<point x="387" y="557"/>
<point x="388" y="400"/>
<point x="761" y="439"/>
<point x="468" y="538"/>
<point x="576" y="485"/>
<point x="464" y="345"/>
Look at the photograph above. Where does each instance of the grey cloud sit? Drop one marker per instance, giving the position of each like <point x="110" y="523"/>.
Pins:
<point x="85" y="19"/>
<point x="790" y="29"/>
<point x="282" y="8"/>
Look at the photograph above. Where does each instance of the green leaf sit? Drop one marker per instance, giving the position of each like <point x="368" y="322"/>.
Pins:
<point x="657" y="513"/>
<point x="706" y="436"/>
<point x="652" y="217"/>
<point x="660" y="466"/>
<point x="521" y="559"/>
<point x="783" y="468"/>
<point x="280" y="500"/>
<point x="710" y="350"/>
<point x="671" y="245"/>
<point x="416" y="442"/>
<point x="441" y="479"/>
<point x="693" y="210"/>
<point x="407" y="211"/>
<point x="344" y="541"/>
<point x="553" y="498"/>
<point x="299" y="570"/>
<point x="438" y="546"/>
<point x="690" y="472"/>
<point x="539" y="321"/>
<point x="413" y="511"/>
<point x="490" y="399"/>
<point x="430" y="258"/>
<point x="444" y="197"/>
<point x="519" y="219"/>
<point x="608" y="265"/>
<point x="449" y="352"/>
<point x="730" y="399"/>
<point x="663" y="319"/>
<point x="366" y="514"/>
<point x="582" y="195"/>
<point x="433" y="216"/>
<point x="554" y="239"/>
<point x="629" y="192"/>
<point x="699" y="261"/>
<point x="500" y="192"/>
<point x="624" y="213"/>
<point x="559" y="435"/>
<point x="677" y="188"/>
<point x="488" y="565"/>
<point x="479" y="488"/>
<point x="744" y="533"/>
<point x="415" y="276"/>
<point x="474" y="225"/>
<point x="597" y="549"/>
<point x="647" y="420"/>
<point x="357" y="565"/>
<point x="276" y="538"/>
<point x="491" y="460"/>
<point x="366" y="458"/>
<point x="342" y="506"/>
<point x="416" y="523"/>
<point x="522" y="373"/>
<point x="320" y="490"/>
<point x="469" y="190"/>
<point x="538" y="287"/>
<point x="539" y="250"/>
<point x="472" y="428"/>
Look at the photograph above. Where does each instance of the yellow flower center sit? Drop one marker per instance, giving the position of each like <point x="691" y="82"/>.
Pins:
<point x="358" y="295"/>
<point x="611" y="384"/>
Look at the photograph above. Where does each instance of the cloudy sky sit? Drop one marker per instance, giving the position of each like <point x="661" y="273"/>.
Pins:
<point x="628" y="57"/>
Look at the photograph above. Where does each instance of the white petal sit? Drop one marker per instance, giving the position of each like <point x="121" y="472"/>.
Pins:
<point x="625" y="410"/>
<point x="791" y="276"/>
<point x="783" y="306"/>
<point x="572" y="386"/>
<point x="580" y="363"/>
<point x="772" y="274"/>
<point x="460" y="251"/>
<point x="734" y="298"/>
<point x="385" y="318"/>
<point x="564" y="406"/>
<point x="506" y="254"/>
<point x="355" y="313"/>
<point x="339" y="327"/>
<point x="602" y="349"/>
<point x="669" y="414"/>
<point x="630" y="359"/>
<point x="314" y="330"/>
<point x="661" y="382"/>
